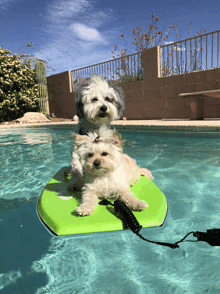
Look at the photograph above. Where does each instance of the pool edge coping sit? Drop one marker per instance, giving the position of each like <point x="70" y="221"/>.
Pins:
<point x="147" y="125"/>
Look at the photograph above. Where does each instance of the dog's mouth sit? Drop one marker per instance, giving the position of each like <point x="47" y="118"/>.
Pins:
<point x="103" y="114"/>
<point x="97" y="167"/>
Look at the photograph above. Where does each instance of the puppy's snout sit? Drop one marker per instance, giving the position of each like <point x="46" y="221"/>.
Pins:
<point x="97" y="163"/>
<point x="103" y="108"/>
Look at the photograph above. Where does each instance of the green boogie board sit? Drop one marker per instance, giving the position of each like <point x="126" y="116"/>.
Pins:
<point x="57" y="208"/>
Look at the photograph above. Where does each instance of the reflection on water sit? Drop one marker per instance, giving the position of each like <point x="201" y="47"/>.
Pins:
<point x="28" y="139"/>
<point x="66" y="265"/>
<point x="9" y="278"/>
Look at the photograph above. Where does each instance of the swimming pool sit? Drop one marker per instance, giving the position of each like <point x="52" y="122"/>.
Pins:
<point x="186" y="167"/>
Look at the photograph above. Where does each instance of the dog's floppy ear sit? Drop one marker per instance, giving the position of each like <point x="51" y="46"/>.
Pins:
<point x="78" y="88"/>
<point x="79" y="139"/>
<point x="120" y="103"/>
<point x="117" y="139"/>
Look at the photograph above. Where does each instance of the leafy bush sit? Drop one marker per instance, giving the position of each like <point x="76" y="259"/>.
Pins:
<point x="18" y="86"/>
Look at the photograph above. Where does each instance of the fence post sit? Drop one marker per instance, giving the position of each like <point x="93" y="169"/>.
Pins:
<point x="62" y="96"/>
<point x="71" y="85"/>
<point x="151" y="59"/>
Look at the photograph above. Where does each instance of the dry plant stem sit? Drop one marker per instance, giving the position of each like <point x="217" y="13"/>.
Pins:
<point x="142" y="41"/>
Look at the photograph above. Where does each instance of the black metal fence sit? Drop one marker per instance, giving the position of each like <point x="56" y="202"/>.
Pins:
<point x="189" y="55"/>
<point x="121" y="69"/>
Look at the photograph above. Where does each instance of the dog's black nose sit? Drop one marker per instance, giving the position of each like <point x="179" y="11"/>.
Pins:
<point x="97" y="163"/>
<point x="103" y="108"/>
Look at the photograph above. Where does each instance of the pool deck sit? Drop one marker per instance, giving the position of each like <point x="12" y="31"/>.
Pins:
<point x="147" y="125"/>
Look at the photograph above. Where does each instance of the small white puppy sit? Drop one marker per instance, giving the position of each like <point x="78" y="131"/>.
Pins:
<point x="108" y="173"/>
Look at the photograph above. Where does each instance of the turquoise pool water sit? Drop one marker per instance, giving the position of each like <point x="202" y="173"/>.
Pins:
<point x="186" y="167"/>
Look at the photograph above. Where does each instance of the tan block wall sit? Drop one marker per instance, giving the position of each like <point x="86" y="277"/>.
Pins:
<point x="61" y="95"/>
<point x="155" y="97"/>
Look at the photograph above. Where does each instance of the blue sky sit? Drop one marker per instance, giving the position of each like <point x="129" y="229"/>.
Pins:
<point x="75" y="33"/>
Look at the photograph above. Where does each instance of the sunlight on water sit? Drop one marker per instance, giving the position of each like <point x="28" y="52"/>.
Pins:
<point x="186" y="168"/>
<point x="7" y="279"/>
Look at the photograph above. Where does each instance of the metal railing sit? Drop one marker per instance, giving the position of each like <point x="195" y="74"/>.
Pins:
<point x="189" y="55"/>
<point x="121" y="69"/>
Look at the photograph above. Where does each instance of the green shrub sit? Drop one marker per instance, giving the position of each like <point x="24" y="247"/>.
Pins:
<point x="18" y="86"/>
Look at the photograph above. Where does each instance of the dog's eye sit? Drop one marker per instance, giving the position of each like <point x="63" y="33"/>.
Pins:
<point x="94" y="100"/>
<point x="104" y="154"/>
<point x="90" y="154"/>
<point x="108" y="99"/>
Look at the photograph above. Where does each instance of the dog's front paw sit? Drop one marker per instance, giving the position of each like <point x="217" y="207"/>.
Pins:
<point x="83" y="211"/>
<point x="133" y="181"/>
<point x="145" y="172"/>
<point x="138" y="205"/>
<point x="141" y="205"/>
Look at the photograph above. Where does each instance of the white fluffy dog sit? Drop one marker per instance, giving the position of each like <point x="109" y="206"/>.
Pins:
<point x="108" y="173"/>
<point x="98" y="102"/>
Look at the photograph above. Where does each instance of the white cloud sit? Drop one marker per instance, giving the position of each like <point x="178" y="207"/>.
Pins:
<point x="5" y="3"/>
<point x="59" y="11"/>
<point x="175" y="48"/>
<point x="86" y="33"/>
<point x="70" y="59"/>
<point x="74" y="35"/>
<point x="167" y="43"/>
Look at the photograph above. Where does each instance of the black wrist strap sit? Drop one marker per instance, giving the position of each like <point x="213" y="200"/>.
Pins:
<point x="212" y="236"/>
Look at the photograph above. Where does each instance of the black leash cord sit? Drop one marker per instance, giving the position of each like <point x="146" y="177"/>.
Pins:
<point x="212" y="237"/>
